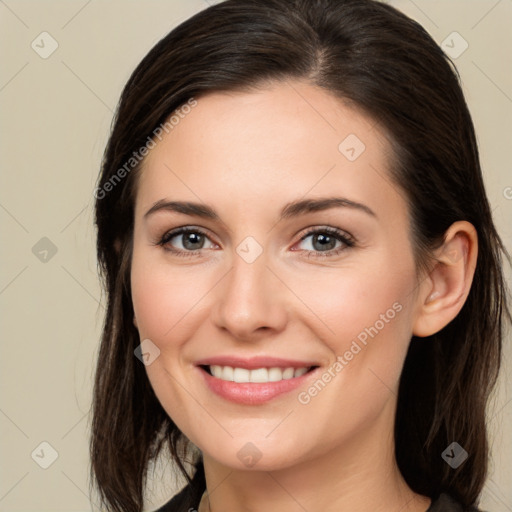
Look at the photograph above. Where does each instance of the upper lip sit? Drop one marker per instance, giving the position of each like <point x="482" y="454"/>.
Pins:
<point x="252" y="363"/>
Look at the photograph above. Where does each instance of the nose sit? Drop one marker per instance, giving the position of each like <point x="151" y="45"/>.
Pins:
<point x="251" y="301"/>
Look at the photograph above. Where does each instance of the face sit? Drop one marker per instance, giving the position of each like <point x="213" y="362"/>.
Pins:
<point x="330" y="286"/>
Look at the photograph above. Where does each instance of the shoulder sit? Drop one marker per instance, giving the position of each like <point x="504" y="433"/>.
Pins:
<point x="188" y="501"/>
<point x="446" y="503"/>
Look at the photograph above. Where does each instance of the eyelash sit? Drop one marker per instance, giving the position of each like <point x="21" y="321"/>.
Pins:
<point x="341" y="236"/>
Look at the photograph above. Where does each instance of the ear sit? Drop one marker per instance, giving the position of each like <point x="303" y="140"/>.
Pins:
<point x="444" y="290"/>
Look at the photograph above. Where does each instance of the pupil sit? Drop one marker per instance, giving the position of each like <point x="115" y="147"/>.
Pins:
<point x="324" y="241"/>
<point x="193" y="238"/>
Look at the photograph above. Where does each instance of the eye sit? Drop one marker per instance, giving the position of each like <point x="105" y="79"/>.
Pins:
<point x="189" y="241"/>
<point x="324" y="242"/>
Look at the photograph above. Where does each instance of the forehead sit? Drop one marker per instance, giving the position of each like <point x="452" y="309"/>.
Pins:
<point x="289" y="140"/>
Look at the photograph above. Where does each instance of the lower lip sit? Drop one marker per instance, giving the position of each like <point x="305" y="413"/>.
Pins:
<point x="253" y="393"/>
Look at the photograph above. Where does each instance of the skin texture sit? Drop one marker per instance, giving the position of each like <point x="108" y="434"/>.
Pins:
<point x="247" y="155"/>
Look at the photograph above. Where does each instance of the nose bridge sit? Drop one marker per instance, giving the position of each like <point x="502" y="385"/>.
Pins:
<point x="250" y="297"/>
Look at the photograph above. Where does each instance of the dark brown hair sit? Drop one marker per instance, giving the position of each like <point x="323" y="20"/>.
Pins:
<point x="377" y="59"/>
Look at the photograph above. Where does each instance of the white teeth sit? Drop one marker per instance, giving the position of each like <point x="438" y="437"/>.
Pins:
<point x="258" y="375"/>
<point x="239" y="375"/>
<point x="300" y="371"/>
<point x="227" y="372"/>
<point x="288" y="373"/>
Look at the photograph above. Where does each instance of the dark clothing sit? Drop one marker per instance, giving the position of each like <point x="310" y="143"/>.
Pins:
<point x="445" y="503"/>
<point x="190" y="496"/>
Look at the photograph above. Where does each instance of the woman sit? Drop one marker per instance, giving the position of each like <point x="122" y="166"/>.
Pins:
<point x="304" y="281"/>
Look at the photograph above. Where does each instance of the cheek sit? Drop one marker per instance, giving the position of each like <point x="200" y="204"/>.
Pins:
<point x="348" y="301"/>
<point x="162" y="295"/>
<point x="364" y="315"/>
<point x="166" y="307"/>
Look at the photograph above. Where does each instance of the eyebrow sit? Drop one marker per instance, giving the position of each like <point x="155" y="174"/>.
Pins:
<point x="290" y="210"/>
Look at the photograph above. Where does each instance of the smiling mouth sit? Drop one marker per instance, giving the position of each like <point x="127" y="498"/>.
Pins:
<point x="257" y="375"/>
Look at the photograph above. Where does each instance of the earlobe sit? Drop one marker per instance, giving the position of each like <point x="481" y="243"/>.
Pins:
<point x="444" y="291"/>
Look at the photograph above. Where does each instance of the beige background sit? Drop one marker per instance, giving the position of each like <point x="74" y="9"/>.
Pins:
<point x="55" y="118"/>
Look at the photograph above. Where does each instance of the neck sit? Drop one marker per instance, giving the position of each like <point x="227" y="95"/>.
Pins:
<point x="359" y="475"/>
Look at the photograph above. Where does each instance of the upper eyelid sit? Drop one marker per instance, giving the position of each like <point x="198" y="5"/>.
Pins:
<point x="306" y="232"/>
<point x="327" y="229"/>
<point x="171" y="233"/>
